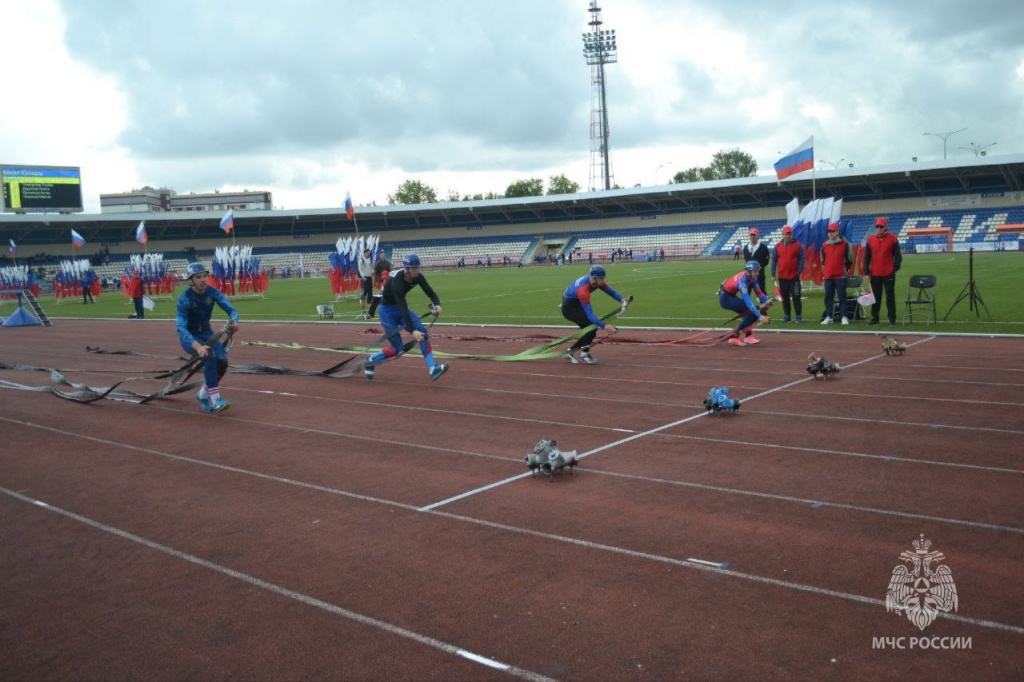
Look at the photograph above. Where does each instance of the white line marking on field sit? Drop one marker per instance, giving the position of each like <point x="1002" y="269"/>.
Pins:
<point x="810" y="501"/>
<point x="523" y="531"/>
<point x="713" y="564"/>
<point x="285" y="592"/>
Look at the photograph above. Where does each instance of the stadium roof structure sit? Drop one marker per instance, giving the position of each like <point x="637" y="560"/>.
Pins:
<point x="992" y="175"/>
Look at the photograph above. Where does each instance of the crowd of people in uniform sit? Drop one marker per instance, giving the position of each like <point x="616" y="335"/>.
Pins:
<point x="385" y="291"/>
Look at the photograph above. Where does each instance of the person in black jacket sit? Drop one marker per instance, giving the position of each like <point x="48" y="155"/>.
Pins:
<point x="759" y="251"/>
<point x="396" y="316"/>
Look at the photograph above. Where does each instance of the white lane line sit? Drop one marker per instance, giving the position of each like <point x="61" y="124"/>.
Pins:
<point x="896" y="422"/>
<point x="849" y="453"/>
<point x="522" y="531"/>
<point x="285" y="592"/>
<point x="775" y="582"/>
<point x="481" y="659"/>
<point x="622" y="441"/>
<point x="713" y="564"/>
<point x="470" y="493"/>
<point x="816" y="503"/>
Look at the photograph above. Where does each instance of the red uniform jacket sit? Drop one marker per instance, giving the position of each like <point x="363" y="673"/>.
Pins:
<point x="788" y="263"/>
<point x="882" y="255"/>
<point x="836" y="259"/>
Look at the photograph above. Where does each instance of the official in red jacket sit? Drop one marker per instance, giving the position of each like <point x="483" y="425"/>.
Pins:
<point x="882" y="260"/>
<point x="136" y="292"/>
<point x="836" y="259"/>
<point x="787" y="264"/>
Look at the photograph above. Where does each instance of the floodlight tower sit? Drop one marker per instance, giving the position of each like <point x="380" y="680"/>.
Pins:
<point x="599" y="49"/>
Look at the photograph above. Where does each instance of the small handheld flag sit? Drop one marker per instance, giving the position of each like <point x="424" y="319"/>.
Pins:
<point x="350" y="210"/>
<point x="227" y="223"/>
<point x="140" y="233"/>
<point x="77" y="239"/>
<point x="14" y="247"/>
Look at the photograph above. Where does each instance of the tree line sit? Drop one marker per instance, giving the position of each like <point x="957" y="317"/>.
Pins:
<point x="726" y="164"/>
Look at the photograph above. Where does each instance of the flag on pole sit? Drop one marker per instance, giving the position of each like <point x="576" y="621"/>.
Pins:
<point x="227" y="223"/>
<point x="350" y="210"/>
<point x="77" y="239"/>
<point x="797" y="161"/>
<point x="140" y="233"/>
<point x="14" y="247"/>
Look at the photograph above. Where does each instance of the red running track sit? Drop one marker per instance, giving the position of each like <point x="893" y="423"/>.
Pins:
<point x="343" y="529"/>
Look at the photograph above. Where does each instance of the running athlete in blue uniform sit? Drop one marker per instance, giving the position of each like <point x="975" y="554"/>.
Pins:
<point x="195" y="306"/>
<point x="395" y="316"/>
<point x="576" y="308"/>
<point x="734" y="295"/>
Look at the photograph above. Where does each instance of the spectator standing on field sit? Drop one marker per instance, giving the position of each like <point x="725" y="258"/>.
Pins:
<point x="758" y="251"/>
<point x="87" y="279"/>
<point x="366" y="281"/>
<point x="787" y="264"/>
<point x="836" y="259"/>
<point x="136" y="292"/>
<point x="882" y="260"/>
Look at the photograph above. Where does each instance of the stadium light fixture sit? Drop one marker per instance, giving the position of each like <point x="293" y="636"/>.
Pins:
<point x="945" y="136"/>
<point x="978" y="149"/>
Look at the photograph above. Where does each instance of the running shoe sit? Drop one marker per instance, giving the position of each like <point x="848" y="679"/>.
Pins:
<point x="218" y="404"/>
<point x="205" y="402"/>
<point x="750" y="340"/>
<point x="437" y="370"/>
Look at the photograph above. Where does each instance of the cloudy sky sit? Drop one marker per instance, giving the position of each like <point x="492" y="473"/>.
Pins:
<point x="311" y="99"/>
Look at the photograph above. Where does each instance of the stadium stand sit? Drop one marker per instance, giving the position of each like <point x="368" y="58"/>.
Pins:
<point x="678" y="242"/>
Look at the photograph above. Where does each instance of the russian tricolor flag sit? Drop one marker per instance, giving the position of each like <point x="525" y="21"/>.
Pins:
<point x="77" y="239"/>
<point x="14" y="247"/>
<point x="227" y="223"/>
<point x="797" y="161"/>
<point x="140" y="233"/>
<point x="349" y="208"/>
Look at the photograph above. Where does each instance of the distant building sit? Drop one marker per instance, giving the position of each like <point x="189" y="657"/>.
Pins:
<point x="162" y="200"/>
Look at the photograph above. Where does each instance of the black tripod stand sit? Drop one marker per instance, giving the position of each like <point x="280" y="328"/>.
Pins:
<point x="970" y="292"/>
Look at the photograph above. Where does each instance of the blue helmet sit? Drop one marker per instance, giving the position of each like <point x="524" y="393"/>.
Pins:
<point x="598" y="271"/>
<point x="752" y="265"/>
<point x="411" y="260"/>
<point x="195" y="269"/>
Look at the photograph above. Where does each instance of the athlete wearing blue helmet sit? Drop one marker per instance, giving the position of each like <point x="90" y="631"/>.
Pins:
<point x="195" y="269"/>
<point x="395" y="316"/>
<point x="735" y="295"/>
<point x="577" y="309"/>
<point x="194" y="309"/>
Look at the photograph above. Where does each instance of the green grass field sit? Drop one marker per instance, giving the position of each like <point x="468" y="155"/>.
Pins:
<point x="678" y="295"/>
